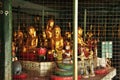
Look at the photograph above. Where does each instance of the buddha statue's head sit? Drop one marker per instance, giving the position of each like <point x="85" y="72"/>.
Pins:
<point x="31" y="31"/>
<point x="57" y="31"/>
<point x="44" y="34"/>
<point x="80" y="31"/>
<point x="89" y="34"/>
<point x="20" y="34"/>
<point x="50" y="23"/>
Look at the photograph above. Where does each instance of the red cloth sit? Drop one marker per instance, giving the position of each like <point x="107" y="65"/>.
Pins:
<point x="50" y="57"/>
<point x="54" y="77"/>
<point x="101" y="71"/>
<point x="87" y="53"/>
<point x="29" y="56"/>
<point x="20" y="77"/>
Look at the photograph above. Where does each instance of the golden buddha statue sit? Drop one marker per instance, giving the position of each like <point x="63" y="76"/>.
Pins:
<point x="49" y="28"/>
<point x="44" y="41"/>
<point x="57" y="42"/>
<point x="67" y="38"/>
<point x="14" y="58"/>
<point x="80" y="38"/>
<point x="81" y="44"/>
<point x="32" y="40"/>
<point x="18" y="39"/>
<point x="15" y="36"/>
<point x="49" y="32"/>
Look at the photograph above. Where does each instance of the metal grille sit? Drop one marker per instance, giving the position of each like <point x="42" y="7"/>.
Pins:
<point x="102" y="19"/>
<point x="37" y="14"/>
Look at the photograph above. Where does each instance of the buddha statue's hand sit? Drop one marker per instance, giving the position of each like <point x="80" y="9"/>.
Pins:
<point x="54" y="53"/>
<point x="60" y="48"/>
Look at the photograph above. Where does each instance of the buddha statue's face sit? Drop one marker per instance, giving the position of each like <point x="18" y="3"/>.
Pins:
<point x="51" y="24"/>
<point x="13" y="46"/>
<point x="90" y="34"/>
<point x="67" y="34"/>
<point x="43" y="34"/>
<point x="57" y="31"/>
<point x="15" y="34"/>
<point x="32" y="31"/>
<point x="20" y="34"/>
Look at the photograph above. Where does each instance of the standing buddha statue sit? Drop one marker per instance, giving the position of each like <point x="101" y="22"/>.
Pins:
<point x="49" y="30"/>
<point x="80" y="38"/>
<point x="57" y="43"/>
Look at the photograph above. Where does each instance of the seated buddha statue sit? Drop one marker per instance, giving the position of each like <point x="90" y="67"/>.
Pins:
<point x="57" y="42"/>
<point x="43" y="41"/>
<point x="32" y="40"/>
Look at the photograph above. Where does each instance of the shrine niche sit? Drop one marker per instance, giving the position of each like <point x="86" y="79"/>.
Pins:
<point x="43" y="40"/>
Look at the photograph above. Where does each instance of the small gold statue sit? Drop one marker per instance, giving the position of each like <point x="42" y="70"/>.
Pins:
<point x="18" y="40"/>
<point x="81" y="43"/>
<point x="68" y="35"/>
<point x="57" y="43"/>
<point x="49" y="32"/>
<point x="32" y="40"/>
<point x="14" y="58"/>
<point x="80" y="38"/>
<point x="49" y="28"/>
<point x="15" y="36"/>
<point x="67" y="38"/>
<point x="44" y="41"/>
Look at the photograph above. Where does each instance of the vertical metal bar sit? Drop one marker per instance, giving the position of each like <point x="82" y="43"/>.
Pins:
<point x="75" y="32"/>
<point x="7" y="38"/>
<point x="1" y="42"/>
<point x="85" y="23"/>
